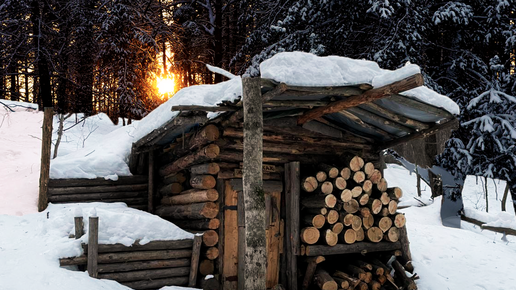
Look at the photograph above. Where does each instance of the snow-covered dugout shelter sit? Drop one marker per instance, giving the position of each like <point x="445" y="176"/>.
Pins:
<point x="317" y="126"/>
<point x="321" y="117"/>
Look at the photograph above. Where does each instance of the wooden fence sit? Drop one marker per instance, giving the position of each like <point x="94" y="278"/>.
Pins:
<point x="149" y="266"/>
<point x="133" y="190"/>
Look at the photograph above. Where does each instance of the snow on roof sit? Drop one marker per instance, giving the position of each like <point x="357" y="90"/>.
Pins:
<point x="306" y="69"/>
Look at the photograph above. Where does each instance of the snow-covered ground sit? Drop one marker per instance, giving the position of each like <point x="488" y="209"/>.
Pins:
<point x="31" y="243"/>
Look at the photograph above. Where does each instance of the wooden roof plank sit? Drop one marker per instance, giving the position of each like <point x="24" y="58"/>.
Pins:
<point x="409" y="102"/>
<point x="352" y="117"/>
<point x="400" y="119"/>
<point x="380" y="119"/>
<point x="448" y="124"/>
<point x="368" y="96"/>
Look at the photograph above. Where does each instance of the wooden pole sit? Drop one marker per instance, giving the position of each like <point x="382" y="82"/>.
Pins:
<point x="254" y="197"/>
<point x="46" y="145"/>
<point x="93" y="246"/>
<point x="150" y="204"/>
<point x="79" y="231"/>
<point x="194" y="264"/>
<point x="292" y="228"/>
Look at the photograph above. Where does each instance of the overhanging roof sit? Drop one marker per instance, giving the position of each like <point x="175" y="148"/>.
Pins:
<point x="386" y="120"/>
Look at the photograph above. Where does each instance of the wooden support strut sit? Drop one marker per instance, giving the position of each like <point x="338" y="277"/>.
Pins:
<point x="369" y="96"/>
<point x="93" y="247"/>
<point x="255" y="239"/>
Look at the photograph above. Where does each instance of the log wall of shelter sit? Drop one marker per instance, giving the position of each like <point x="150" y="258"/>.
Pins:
<point x="431" y="146"/>
<point x="133" y="190"/>
<point x="150" y="266"/>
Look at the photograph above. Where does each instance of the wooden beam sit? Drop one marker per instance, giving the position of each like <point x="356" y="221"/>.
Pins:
<point x="450" y="124"/>
<point x="406" y="101"/>
<point x="400" y="119"/>
<point x="93" y="246"/>
<point x="328" y="90"/>
<point x="205" y="108"/>
<point x="194" y="262"/>
<point x="79" y="182"/>
<point x="379" y="119"/>
<point x="507" y="231"/>
<point x="254" y="199"/>
<point x="278" y="90"/>
<point x="292" y="227"/>
<point x="363" y="247"/>
<point x="369" y="96"/>
<point x="295" y="104"/>
<point x="355" y="119"/>
<point x="46" y="145"/>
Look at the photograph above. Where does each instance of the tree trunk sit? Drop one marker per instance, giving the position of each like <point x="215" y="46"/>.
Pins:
<point x="254" y="196"/>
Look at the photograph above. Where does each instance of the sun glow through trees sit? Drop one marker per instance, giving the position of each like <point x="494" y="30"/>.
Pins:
<point x="166" y="86"/>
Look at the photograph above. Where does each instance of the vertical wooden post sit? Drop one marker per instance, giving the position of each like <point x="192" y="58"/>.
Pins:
<point x="194" y="264"/>
<point x="254" y="198"/>
<point x="79" y="231"/>
<point x="93" y="246"/>
<point x="292" y="189"/>
<point x="46" y="145"/>
<point x="150" y="201"/>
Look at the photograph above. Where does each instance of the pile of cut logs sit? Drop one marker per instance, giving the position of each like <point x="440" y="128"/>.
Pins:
<point x="348" y="205"/>
<point x="361" y="274"/>
<point x="194" y="209"/>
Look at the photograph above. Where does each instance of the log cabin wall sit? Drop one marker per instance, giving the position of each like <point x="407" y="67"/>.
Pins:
<point x="133" y="190"/>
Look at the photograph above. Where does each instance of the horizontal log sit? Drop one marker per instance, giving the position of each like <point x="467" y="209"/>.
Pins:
<point x="189" y="211"/>
<point x="81" y="182"/>
<point x="143" y="265"/>
<point x="202" y="224"/>
<point x="150" y="274"/>
<point x="97" y="189"/>
<point x="192" y="196"/>
<point x="89" y="197"/>
<point x="193" y="142"/>
<point x="170" y="189"/>
<point x="157" y="283"/>
<point x="294" y="148"/>
<point x="364" y="247"/>
<point x="150" y="246"/>
<point x="237" y="173"/>
<point x="174" y="178"/>
<point x="129" y="257"/>
<point x="228" y="155"/>
<point x="203" y="181"/>
<point x="203" y="155"/>
<point x="211" y="253"/>
<point x="207" y="168"/>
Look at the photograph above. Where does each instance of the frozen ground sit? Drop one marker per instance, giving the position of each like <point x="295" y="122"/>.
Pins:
<point x="31" y="243"/>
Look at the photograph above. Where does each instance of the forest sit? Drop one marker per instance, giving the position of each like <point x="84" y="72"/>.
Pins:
<point x="116" y="56"/>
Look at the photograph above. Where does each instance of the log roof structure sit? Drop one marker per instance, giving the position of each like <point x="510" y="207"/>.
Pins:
<point x="381" y="117"/>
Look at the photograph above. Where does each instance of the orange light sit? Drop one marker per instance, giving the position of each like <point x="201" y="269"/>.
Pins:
<point x="165" y="85"/>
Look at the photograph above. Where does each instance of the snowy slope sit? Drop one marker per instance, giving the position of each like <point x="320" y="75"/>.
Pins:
<point x="20" y="148"/>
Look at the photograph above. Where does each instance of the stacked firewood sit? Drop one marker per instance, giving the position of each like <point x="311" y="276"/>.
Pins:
<point x="194" y="209"/>
<point x="349" y="204"/>
<point x="363" y="274"/>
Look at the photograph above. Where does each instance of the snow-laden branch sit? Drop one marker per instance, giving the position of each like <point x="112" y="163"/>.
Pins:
<point x="220" y="71"/>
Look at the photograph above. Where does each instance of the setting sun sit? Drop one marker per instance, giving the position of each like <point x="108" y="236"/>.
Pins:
<point x="166" y="85"/>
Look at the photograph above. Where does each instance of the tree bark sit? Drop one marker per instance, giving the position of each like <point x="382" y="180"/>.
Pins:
<point x="254" y="197"/>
